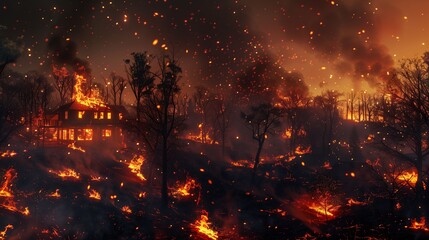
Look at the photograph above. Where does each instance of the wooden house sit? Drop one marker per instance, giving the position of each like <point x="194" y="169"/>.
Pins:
<point x="84" y="125"/>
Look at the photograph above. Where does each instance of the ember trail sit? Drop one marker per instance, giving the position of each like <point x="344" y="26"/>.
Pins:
<point x="213" y="135"/>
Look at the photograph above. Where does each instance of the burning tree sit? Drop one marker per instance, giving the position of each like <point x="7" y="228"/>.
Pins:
<point x="404" y="131"/>
<point x="261" y="121"/>
<point x="294" y="95"/>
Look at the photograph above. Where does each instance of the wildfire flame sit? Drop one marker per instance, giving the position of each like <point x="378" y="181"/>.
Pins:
<point x="242" y="163"/>
<point x="408" y="177"/>
<point x="324" y="208"/>
<point x="8" y="153"/>
<point x="6" y="194"/>
<point x="419" y="225"/>
<point x="126" y="210"/>
<point x="68" y="173"/>
<point x="82" y="98"/>
<point x="301" y="150"/>
<point x="3" y="233"/>
<point x="202" y="225"/>
<point x="186" y="189"/>
<point x="93" y="194"/>
<point x="351" y="202"/>
<point x="55" y="194"/>
<point x="135" y="165"/>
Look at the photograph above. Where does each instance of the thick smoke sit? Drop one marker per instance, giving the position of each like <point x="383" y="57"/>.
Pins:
<point x="64" y="53"/>
<point x="344" y="32"/>
<point x="9" y="50"/>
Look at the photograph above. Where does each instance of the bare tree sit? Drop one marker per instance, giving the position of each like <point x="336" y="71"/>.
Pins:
<point x="117" y="85"/>
<point x="261" y="121"/>
<point x="63" y="83"/>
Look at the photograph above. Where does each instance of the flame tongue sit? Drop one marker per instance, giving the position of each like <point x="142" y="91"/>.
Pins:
<point x="419" y="225"/>
<point x="6" y="195"/>
<point x="203" y="226"/>
<point x="82" y="98"/>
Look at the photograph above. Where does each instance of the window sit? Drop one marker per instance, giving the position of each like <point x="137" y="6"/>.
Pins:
<point x="71" y="134"/>
<point x="84" y="134"/>
<point x="101" y="115"/>
<point x="80" y="114"/>
<point x="120" y="116"/>
<point x="66" y="115"/>
<point x="95" y="115"/>
<point x="105" y="133"/>
<point x="109" y="115"/>
<point x="88" y="134"/>
<point x="64" y="134"/>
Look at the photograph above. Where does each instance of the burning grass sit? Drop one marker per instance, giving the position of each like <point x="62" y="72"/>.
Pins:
<point x="7" y="198"/>
<point x="66" y="174"/>
<point x="419" y="225"/>
<point x="203" y="226"/>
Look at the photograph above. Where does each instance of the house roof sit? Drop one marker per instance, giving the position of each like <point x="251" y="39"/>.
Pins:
<point x="78" y="106"/>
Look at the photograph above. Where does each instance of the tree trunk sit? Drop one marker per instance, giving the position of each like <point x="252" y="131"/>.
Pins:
<point x="258" y="153"/>
<point x="164" y="189"/>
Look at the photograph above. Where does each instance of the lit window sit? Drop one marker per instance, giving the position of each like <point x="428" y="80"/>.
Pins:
<point x="71" y="134"/>
<point x="64" y="135"/>
<point x="106" y="133"/>
<point x="80" y="114"/>
<point x="66" y="115"/>
<point x="84" y="134"/>
<point x="88" y="134"/>
<point x="80" y="135"/>
<point x="101" y="115"/>
<point x="120" y="116"/>
<point x="95" y="115"/>
<point x="109" y="115"/>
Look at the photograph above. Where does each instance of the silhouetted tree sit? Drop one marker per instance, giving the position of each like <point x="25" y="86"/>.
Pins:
<point x="117" y="85"/>
<point x="63" y="83"/>
<point x="328" y="102"/>
<point x="140" y="77"/>
<point x="294" y="95"/>
<point x="404" y="132"/>
<point x="261" y="121"/>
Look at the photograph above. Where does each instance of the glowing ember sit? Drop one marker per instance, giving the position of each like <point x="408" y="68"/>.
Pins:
<point x="242" y="163"/>
<point x="55" y="194"/>
<point x="83" y="99"/>
<point x="8" y="153"/>
<point x="301" y="150"/>
<point x="68" y="173"/>
<point x="135" y="165"/>
<point x="3" y="233"/>
<point x="6" y="196"/>
<point x="126" y="209"/>
<point x="186" y="189"/>
<point x="93" y="194"/>
<point x="74" y="147"/>
<point x="352" y="202"/>
<point x="203" y="226"/>
<point x="419" y="225"/>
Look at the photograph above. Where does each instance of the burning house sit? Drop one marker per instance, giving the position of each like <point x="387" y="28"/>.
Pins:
<point x="85" y="120"/>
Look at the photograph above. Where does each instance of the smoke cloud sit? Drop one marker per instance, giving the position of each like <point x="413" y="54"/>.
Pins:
<point x="346" y="33"/>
